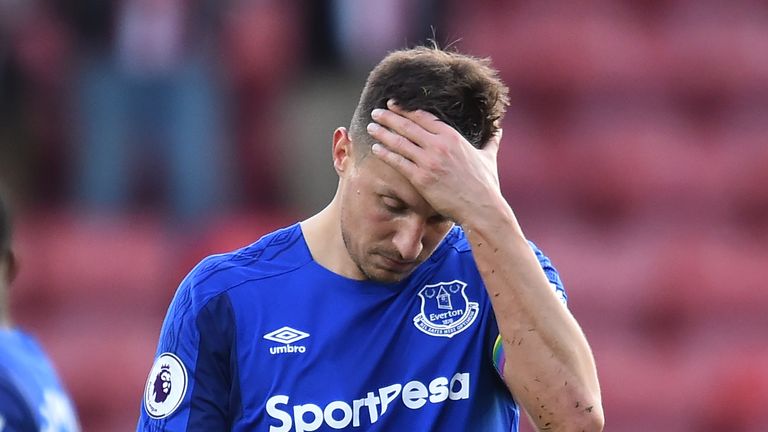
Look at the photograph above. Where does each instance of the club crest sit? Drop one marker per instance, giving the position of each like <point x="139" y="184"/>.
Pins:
<point x="445" y="309"/>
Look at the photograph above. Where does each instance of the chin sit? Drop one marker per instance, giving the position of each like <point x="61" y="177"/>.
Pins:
<point x="385" y="276"/>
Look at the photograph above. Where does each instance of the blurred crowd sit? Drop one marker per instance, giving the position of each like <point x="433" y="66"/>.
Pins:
<point x="168" y="104"/>
<point x="138" y="136"/>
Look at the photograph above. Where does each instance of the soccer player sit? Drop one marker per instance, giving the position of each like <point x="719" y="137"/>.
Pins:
<point x="412" y="302"/>
<point x="31" y="395"/>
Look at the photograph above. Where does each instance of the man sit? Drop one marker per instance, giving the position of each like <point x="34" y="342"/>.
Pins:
<point x="388" y="309"/>
<point x="31" y="395"/>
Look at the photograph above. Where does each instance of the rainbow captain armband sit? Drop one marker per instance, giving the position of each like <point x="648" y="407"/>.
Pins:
<point x="499" y="359"/>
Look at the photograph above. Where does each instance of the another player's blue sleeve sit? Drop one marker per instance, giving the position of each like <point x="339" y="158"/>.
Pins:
<point x="15" y="412"/>
<point x="499" y="358"/>
<point x="193" y="384"/>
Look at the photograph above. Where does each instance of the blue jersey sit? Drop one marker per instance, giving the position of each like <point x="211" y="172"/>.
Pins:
<point x="266" y="339"/>
<point x="31" y="395"/>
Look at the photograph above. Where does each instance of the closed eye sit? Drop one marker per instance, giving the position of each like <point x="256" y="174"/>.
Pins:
<point x="393" y="205"/>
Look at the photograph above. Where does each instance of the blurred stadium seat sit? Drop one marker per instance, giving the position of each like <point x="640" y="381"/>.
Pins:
<point x="74" y="263"/>
<point x="636" y="151"/>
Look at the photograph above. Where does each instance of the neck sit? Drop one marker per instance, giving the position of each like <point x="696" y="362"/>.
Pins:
<point x="322" y="232"/>
<point x="5" y="318"/>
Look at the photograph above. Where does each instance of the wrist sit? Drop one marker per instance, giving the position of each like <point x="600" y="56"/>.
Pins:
<point x="493" y="217"/>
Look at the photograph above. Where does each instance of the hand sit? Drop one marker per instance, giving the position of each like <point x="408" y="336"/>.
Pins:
<point x="453" y="176"/>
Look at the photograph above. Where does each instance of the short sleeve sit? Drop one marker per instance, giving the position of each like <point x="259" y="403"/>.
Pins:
<point x="192" y="385"/>
<point x="499" y="359"/>
<point x="552" y="274"/>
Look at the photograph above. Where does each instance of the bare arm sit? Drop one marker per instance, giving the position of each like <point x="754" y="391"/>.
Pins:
<point x="549" y="368"/>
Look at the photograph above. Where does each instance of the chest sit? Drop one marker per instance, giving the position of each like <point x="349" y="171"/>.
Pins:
<point x="334" y="333"/>
<point x="322" y="323"/>
<point x="349" y="356"/>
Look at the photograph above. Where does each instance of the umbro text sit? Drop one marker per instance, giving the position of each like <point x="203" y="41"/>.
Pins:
<point x="287" y="349"/>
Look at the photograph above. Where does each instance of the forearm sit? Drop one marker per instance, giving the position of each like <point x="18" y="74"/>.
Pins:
<point x="549" y="366"/>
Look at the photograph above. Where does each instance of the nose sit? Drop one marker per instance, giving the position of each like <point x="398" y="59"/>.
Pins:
<point x="408" y="238"/>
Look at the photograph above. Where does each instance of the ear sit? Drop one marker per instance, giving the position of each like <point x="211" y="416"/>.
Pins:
<point x="8" y="267"/>
<point x="342" y="151"/>
<point x="13" y="266"/>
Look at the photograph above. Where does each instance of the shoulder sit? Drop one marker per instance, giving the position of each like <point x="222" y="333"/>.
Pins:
<point x="15" y="410"/>
<point x="456" y="242"/>
<point x="201" y="310"/>
<point x="20" y="352"/>
<point x="276" y="253"/>
<point x="551" y="272"/>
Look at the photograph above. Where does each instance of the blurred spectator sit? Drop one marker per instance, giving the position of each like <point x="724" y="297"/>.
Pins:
<point x="365" y="31"/>
<point x="261" y="44"/>
<point x="344" y="39"/>
<point x="34" y="52"/>
<point x="150" y="109"/>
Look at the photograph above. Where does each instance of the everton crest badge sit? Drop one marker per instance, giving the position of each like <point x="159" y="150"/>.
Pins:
<point x="445" y="309"/>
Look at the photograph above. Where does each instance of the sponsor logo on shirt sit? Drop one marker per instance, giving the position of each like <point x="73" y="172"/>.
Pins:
<point x="339" y="414"/>
<point x="166" y="386"/>
<point x="445" y="309"/>
<point x="286" y="336"/>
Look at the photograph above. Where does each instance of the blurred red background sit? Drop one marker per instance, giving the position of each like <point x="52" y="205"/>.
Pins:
<point x="139" y="136"/>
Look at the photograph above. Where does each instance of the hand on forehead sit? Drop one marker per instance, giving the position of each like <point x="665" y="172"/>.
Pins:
<point x="435" y="158"/>
<point x="417" y="125"/>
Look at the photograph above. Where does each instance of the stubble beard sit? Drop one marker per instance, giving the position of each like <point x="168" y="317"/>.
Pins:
<point x="345" y="236"/>
<point x="358" y="259"/>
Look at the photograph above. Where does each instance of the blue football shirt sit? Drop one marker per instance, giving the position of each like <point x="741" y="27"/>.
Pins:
<point x="264" y="338"/>
<point x="31" y="395"/>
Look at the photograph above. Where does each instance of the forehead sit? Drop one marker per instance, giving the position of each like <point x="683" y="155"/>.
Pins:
<point x="385" y="180"/>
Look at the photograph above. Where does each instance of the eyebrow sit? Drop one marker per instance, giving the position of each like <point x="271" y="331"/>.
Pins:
<point x="389" y="192"/>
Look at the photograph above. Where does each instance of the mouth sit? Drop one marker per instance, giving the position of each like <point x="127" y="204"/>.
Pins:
<point x="396" y="265"/>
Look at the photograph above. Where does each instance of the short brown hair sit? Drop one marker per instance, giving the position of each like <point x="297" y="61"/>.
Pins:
<point x="463" y="91"/>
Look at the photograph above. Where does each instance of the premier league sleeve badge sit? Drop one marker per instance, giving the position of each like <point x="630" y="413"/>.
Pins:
<point x="166" y="386"/>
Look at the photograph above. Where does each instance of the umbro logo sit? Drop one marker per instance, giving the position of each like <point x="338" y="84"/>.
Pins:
<point x="287" y="336"/>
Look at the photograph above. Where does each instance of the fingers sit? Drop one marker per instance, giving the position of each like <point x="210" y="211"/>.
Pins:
<point x="425" y="119"/>
<point x="395" y="142"/>
<point x="395" y="160"/>
<point x="407" y="133"/>
<point x="398" y="124"/>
